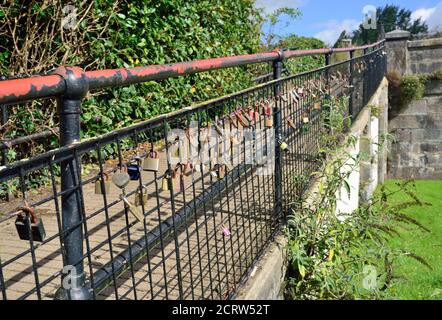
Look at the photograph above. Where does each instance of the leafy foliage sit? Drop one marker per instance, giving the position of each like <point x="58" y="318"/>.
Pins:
<point x="274" y="18"/>
<point x="115" y="34"/>
<point x="389" y="18"/>
<point x="344" y="256"/>
<point x="302" y="64"/>
<point x="403" y="90"/>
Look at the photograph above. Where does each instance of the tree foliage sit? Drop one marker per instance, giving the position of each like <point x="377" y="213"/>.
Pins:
<point x="114" y="34"/>
<point x="389" y="17"/>
<point x="302" y="64"/>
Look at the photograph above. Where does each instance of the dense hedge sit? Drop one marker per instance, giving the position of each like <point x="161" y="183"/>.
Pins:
<point x="113" y="34"/>
<point x="302" y="64"/>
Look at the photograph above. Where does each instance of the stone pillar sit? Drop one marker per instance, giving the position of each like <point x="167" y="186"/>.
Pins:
<point x="397" y="51"/>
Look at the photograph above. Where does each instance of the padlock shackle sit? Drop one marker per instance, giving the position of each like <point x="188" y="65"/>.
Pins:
<point x="153" y="154"/>
<point x="31" y="212"/>
<point x="105" y="175"/>
<point x="123" y="167"/>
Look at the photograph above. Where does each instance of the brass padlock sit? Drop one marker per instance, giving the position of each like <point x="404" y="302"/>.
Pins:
<point x="168" y="182"/>
<point x="134" y="211"/>
<point x="106" y="184"/>
<point x="151" y="162"/>
<point x="22" y="225"/>
<point x="269" y="116"/>
<point x="141" y="197"/>
<point x="283" y="146"/>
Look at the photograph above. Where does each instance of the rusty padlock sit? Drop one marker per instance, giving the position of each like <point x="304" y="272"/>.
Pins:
<point x="221" y="171"/>
<point x="106" y="184"/>
<point x="22" y="225"/>
<point x="268" y="112"/>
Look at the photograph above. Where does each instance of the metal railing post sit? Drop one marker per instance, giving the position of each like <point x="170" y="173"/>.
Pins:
<point x="4" y="152"/>
<point x="352" y="67"/>
<point x="69" y="108"/>
<point x="277" y="70"/>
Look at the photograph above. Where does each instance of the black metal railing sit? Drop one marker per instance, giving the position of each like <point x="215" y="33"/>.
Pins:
<point x="194" y="222"/>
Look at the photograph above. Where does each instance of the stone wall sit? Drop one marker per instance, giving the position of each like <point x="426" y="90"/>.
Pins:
<point x="412" y="57"/>
<point x="417" y="151"/>
<point x="424" y="56"/>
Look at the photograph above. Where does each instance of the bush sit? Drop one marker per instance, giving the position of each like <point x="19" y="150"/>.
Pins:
<point x="115" y="34"/>
<point x="302" y="64"/>
<point x="403" y="90"/>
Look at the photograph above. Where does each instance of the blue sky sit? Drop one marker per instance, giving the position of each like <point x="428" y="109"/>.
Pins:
<point x="326" y="19"/>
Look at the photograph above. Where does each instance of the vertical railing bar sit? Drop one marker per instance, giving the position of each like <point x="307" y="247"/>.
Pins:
<point x="243" y="153"/>
<point x="4" y="160"/>
<point x="126" y="216"/>
<point x="141" y="195"/>
<point x="271" y="196"/>
<point x="265" y="152"/>
<point x="151" y="138"/>
<point x="213" y="206"/>
<point x="225" y="143"/>
<point x="31" y="238"/>
<point x="245" y="102"/>
<point x="57" y="209"/>
<point x="350" y="105"/>
<point x="172" y="202"/>
<point x="290" y="105"/>
<point x="2" y="282"/>
<point x="194" y="203"/>
<point x="237" y="207"/>
<point x="277" y="65"/>
<point x="69" y="109"/>
<point x="80" y="204"/>
<point x="189" y="250"/>
<point x="106" y="215"/>
<point x="220" y="201"/>
<point x="244" y="212"/>
<point x="204" y="202"/>
<point x="253" y="174"/>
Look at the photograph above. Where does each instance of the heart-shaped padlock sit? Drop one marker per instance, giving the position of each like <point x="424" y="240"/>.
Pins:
<point x="122" y="178"/>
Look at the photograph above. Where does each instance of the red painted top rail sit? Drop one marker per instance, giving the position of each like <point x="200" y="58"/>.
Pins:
<point x="37" y="87"/>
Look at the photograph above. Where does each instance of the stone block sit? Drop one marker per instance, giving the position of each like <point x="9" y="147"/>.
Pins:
<point x="417" y="107"/>
<point x="434" y="121"/>
<point x="409" y="121"/>
<point x="432" y="134"/>
<point x="433" y="87"/>
<point x="431" y="147"/>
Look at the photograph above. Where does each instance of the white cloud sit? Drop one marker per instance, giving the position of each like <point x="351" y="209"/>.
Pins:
<point x="334" y="28"/>
<point x="432" y="16"/>
<point x="423" y="14"/>
<point x="434" y="21"/>
<point x="270" y="6"/>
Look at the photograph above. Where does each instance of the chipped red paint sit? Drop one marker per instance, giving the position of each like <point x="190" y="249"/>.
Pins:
<point x="102" y="78"/>
<point x="30" y="88"/>
<point x="14" y="91"/>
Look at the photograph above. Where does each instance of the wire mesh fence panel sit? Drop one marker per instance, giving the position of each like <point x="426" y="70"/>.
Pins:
<point x="180" y="206"/>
